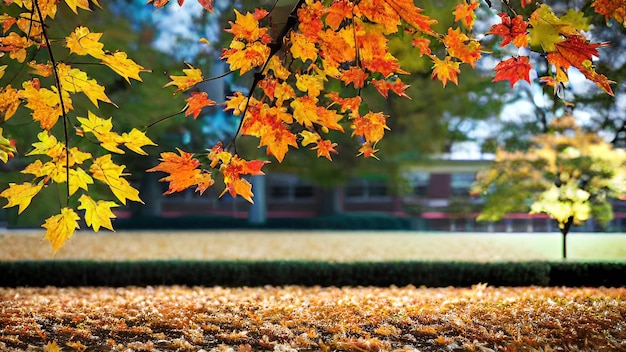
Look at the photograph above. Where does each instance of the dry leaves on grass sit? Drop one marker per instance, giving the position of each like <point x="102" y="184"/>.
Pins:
<point x="480" y="318"/>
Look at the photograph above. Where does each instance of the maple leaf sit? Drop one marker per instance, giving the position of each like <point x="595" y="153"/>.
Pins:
<point x="611" y="9"/>
<point x="74" y="4"/>
<point x="106" y="171"/>
<point x="338" y="11"/>
<point x="367" y="151"/>
<point x="192" y="77"/>
<point x="232" y="172"/>
<point x="101" y="129"/>
<point x="74" y="80"/>
<point x="7" y="148"/>
<point x="79" y="179"/>
<point x="44" y="70"/>
<point x="246" y="27"/>
<point x="462" y="47"/>
<point x="59" y="228"/>
<point x="44" y="103"/>
<point x="309" y="137"/>
<point x="206" y="4"/>
<point x="184" y="172"/>
<point x="51" y="347"/>
<point x="123" y="66"/>
<point x="383" y="87"/>
<point x="135" y="140"/>
<point x="305" y="111"/>
<point x="244" y="57"/>
<point x="513" y="30"/>
<point x="196" y="102"/>
<point x="9" y="101"/>
<point x="313" y="84"/>
<point x="302" y="48"/>
<point x="354" y="75"/>
<point x="15" y="45"/>
<point x="423" y="45"/>
<point x="83" y="42"/>
<point x="445" y="70"/>
<point x="464" y="12"/>
<point x="372" y="126"/>
<point x="20" y="195"/>
<point x="513" y="70"/>
<point x="578" y="52"/>
<point x="97" y="214"/>
<point x="324" y="147"/>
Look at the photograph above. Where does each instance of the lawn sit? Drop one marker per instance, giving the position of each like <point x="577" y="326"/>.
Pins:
<point x="315" y="245"/>
<point x="294" y="318"/>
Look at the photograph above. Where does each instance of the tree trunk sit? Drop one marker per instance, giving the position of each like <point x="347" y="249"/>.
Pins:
<point x="151" y="194"/>
<point x="564" y="230"/>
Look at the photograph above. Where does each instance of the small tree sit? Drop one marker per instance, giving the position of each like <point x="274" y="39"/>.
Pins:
<point x="568" y="174"/>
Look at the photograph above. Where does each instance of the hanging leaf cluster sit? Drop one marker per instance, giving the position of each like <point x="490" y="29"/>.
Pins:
<point x="308" y="74"/>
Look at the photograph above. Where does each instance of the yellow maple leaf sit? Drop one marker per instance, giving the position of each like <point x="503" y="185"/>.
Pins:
<point x="106" y="171"/>
<point x="20" y="195"/>
<point x="60" y="227"/>
<point x="98" y="213"/>
<point x="74" y="80"/>
<point x="73" y="4"/>
<point x="79" y="179"/>
<point x="51" y="347"/>
<point x="101" y="129"/>
<point x="192" y="77"/>
<point x="83" y="42"/>
<point x="123" y="66"/>
<point x="44" y="103"/>
<point x="135" y="140"/>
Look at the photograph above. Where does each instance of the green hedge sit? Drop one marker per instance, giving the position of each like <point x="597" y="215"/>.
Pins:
<point x="335" y="222"/>
<point x="308" y="273"/>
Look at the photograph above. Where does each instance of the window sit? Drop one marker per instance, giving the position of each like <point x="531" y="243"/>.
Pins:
<point x="461" y="184"/>
<point x="283" y="187"/>
<point x="365" y="189"/>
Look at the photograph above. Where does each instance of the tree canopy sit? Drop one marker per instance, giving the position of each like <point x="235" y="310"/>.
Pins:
<point x="307" y="76"/>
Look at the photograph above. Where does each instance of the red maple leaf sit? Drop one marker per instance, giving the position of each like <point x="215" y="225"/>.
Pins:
<point x="512" y="30"/>
<point x="513" y="70"/>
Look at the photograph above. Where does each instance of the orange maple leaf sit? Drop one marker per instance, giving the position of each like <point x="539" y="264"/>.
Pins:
<point x="513" y="70"/>
<point x="372" y="126"/>
<point x="611" y="9"/>
<point x="232" y="172"/>
<point x="513" y="30"/>
<point x="183" y="172"/>
<point x="196" y="102"/>
<point x="445" y="70"/>
<point x="367" y="151"/>
<point x="464" y="12"/>
<point x="462" y="47"/>
<point x="324" y="147"/>
<point x="384" y="86"/>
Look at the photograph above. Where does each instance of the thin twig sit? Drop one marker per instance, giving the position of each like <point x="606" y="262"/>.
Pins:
<point x="165" y="118"/>
<point x="57" y="82"/>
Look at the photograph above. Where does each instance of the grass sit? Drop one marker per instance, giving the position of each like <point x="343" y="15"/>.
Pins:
<point x="314" y="245"/>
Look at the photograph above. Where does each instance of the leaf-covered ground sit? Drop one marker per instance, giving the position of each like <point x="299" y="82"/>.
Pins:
<point x="480" y="318"/>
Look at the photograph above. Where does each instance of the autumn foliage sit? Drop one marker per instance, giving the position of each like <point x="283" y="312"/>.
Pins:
<point x="293" y="102"/>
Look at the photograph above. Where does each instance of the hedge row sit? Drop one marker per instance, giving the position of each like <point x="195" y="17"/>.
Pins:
<point x="308" y="273"/>
<point x="334" y="222"/>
